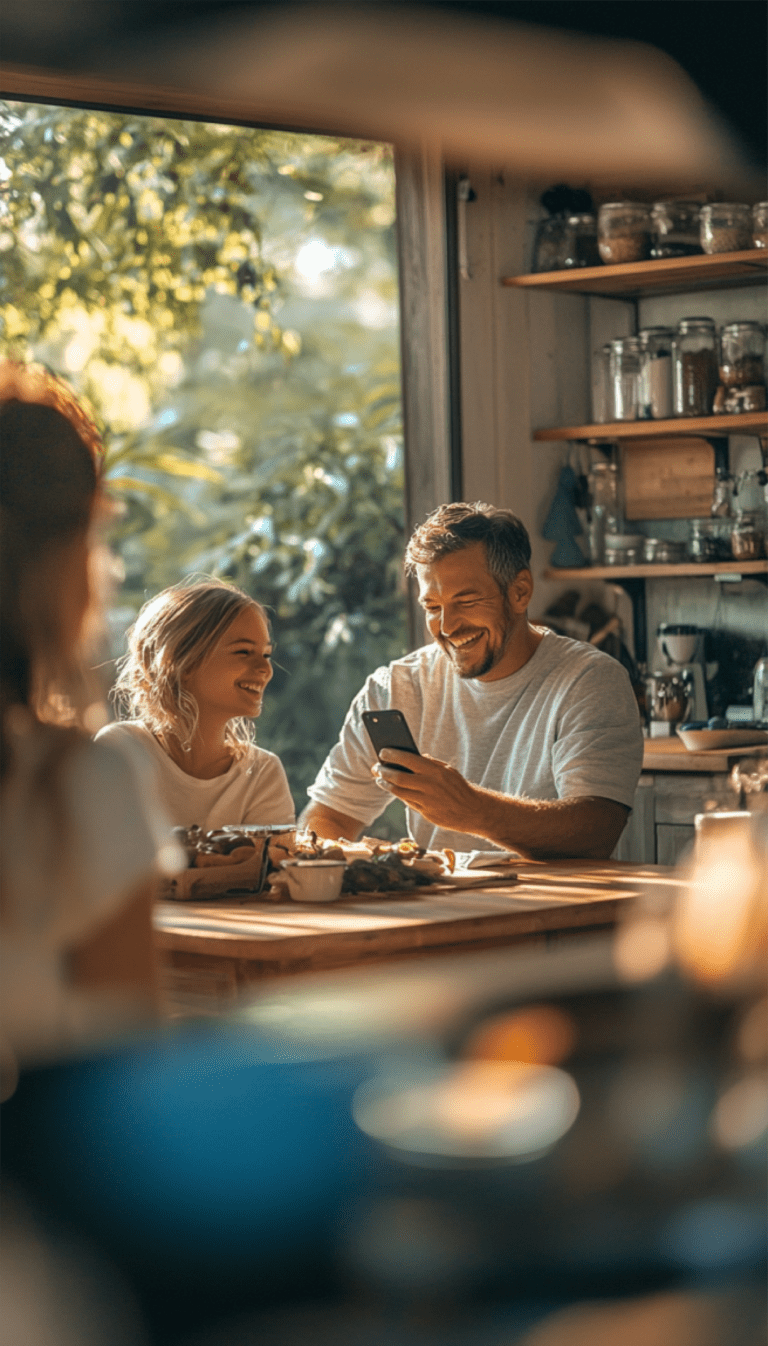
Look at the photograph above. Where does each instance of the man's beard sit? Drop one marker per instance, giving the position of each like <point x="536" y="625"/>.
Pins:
<point x="492" y="657"/>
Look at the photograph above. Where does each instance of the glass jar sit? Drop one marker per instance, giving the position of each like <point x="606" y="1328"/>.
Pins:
<point x="550" y="244"/>
<point x="726" y="227"/>
<point x="742" y="354"/>
<point x="624" y="231"/>
<point x="709" y="539"/>
<point x="602" y="393"/>
<point x="625" y="368"/>
<point x="675" y="229"/>
<point x="694" y="367"/>
<point x="747" y="538"/>
<point x="654" y="385"/>
<point x="760" y="225"/>
<point x="581" y="242"/>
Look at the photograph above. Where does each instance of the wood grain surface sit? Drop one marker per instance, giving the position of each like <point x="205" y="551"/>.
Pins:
<point x="212" y="953"/>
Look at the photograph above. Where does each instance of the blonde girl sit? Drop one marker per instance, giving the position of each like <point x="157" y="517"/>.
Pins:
<point x="199" y="661"/>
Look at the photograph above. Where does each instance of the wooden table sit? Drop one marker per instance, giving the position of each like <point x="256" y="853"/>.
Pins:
<point x="212" y="953"/>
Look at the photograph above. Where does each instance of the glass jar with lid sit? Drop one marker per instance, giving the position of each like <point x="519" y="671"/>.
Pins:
<point x="581" y="241"/>
<point x="726" y="227"/>
<point x="625" y="369"/>
<point x="654" y="386"/>
<point x="675" y="229"/>
<point x="742" y="354"/>
<point x="748" y="535"/>
<point x="760" y="225"/>
<point x="709" y="539"/>
<point x="624" y="231"/>
<point x="694" y="367"/>
<point x="550" y="244"/>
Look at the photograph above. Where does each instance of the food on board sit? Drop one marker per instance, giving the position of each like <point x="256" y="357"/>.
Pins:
<point x="240" y="859"/>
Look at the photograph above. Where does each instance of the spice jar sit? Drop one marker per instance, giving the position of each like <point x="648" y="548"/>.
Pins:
<point x="624" y="231"/>
<point x="742" y="354"/>
<point x="694" y="367"/>
<point x="654" y="386"/>
<point x="675" y="229"/>
<point x="625" y="368"/>
<point x="747" y="535"/>
<point x="550" y="245"/>
<point x="581" y="241"/>
<point x="709" y="539"/>
<point x="602" y="394"/>
<point x="726" y="227"/>
<point x="760" y="225"/>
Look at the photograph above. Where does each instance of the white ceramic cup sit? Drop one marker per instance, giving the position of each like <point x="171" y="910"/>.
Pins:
<point x="314" y="880"/>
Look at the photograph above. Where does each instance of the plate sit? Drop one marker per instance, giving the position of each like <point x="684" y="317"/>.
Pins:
<point x="704" y="740"/>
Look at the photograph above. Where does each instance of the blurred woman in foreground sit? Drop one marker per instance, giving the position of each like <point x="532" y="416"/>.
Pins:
<point x="80" y="848"/>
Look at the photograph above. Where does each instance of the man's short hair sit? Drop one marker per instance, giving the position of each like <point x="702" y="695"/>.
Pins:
<point x="451" y="528"/>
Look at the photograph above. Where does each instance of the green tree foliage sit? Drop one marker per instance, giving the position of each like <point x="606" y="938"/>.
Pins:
<point x="227" y="300"/>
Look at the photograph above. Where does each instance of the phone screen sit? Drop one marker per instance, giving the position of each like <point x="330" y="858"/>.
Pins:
<point x="389" y="729"/>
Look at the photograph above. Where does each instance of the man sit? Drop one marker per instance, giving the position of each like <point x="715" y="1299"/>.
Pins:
<point x="530" y="742"/>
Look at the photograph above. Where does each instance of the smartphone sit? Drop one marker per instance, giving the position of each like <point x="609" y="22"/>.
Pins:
<point x="389" y="729"/>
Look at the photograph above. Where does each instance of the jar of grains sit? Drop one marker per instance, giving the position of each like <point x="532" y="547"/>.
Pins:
<point x="726" y="227"/>
<point x="694" y="367"/>
<point x="675" y="229"/>
<point x="760" y="225"/>
<point x="581" y="241"/>
<point x="654" y="387"/>
<point x="742" y="354"/>
<point x="625" y="369"/>
<point x="624" y="231"/>
<point x="747" y="536"/>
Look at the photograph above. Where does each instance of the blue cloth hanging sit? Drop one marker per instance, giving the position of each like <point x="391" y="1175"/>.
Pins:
<point x="562" y="524"/>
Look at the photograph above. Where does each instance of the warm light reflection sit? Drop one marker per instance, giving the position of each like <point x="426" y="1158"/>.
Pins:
<point x="720" y="922"/>
<point x="539" y="1035"/>
<point x="474" y="1110"/>
<point x="642" y="949"/>
<point x="741" y="1116"/>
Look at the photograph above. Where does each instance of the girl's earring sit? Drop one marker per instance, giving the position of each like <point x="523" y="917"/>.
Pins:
<point x="186" y="747"/>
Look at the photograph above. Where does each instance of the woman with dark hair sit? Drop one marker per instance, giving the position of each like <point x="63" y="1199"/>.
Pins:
<point x="80" y="849"/>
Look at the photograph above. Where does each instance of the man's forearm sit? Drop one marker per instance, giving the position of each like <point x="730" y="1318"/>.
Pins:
<point x="586" y="828"/>
<point x="330" y="824"/>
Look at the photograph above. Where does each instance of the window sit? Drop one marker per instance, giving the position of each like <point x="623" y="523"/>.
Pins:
<point x="227" y="297"/>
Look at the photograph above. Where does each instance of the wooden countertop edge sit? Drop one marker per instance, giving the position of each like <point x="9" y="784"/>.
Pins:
<point x="395" y="938"/>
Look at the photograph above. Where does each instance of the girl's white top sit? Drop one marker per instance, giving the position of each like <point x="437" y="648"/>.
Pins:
<point x="253" y="790"/>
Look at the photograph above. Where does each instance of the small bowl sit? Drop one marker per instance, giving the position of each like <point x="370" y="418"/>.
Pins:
<point x="314" y="880"/>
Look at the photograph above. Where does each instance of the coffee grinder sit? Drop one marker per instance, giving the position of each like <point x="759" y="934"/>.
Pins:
<point x="680" y="651"/>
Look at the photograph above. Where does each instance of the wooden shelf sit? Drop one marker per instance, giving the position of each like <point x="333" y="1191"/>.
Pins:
<point x="748" y="423"/>
<point x="640" y="572"/>
<point x="669" y="275"/>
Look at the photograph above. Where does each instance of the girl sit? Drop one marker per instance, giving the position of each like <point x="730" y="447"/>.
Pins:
<point x="199" y="660"/>
<point x="80" y="846"/>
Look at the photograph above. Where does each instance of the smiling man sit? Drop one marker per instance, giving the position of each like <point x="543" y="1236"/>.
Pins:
<point x="529" y="741"/>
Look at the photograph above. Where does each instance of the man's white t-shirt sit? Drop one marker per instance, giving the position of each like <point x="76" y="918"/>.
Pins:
<point x="564" y="726"/>
<point x="253" y="790"/>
